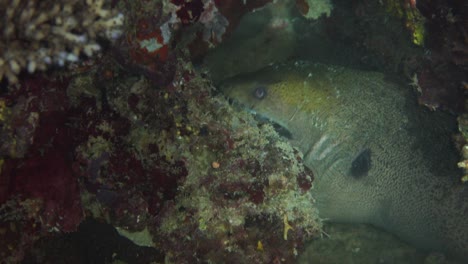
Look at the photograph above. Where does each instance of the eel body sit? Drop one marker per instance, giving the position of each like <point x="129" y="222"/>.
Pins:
<point x="377" y="157"/>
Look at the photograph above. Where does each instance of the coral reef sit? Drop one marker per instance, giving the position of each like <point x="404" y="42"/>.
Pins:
<point x="37" y="34"/>
<point x="441" y="74"/>
<point x="217" y="21"/>
<point x="149" y="47"/>
<point x="414" y="21"/>
<point x="245" y="187"/>
<point x="202" y="177"/>
<point x="440" y="77"/>
<point x="39" y="192"/>
<point x="139" y="140"/>
<point x="199" y="176"/>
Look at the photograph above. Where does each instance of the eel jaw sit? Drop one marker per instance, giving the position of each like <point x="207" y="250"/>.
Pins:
<point x="262" y="119"/>
<point x="281" y="130"/>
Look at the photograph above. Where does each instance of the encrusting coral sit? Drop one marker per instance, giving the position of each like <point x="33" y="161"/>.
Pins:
<point x="36" y="34"/>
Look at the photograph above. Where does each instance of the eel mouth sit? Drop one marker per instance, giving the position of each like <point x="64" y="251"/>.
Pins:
<point x="281" y="130"/>
<point x="262" y="119"/>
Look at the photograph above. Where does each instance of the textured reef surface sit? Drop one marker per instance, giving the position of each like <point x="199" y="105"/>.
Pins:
<point x="114" y="137"/>
<point x="137" y="139"/>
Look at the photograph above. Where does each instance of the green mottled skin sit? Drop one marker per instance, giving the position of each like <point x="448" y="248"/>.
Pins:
<point x="333" y="114"/>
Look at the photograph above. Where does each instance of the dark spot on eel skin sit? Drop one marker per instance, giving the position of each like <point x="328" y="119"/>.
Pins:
<point x="260" y="92"/>
<point x="361" y="164"/>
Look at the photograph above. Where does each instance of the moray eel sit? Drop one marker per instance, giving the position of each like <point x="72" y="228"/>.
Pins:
<point x="377" y="157"/>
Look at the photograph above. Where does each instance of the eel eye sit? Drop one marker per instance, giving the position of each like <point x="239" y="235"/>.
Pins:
<point x="260" y="92"/>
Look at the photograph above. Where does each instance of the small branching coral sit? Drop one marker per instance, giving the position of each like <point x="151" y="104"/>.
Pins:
<point x="36" y="34"/>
